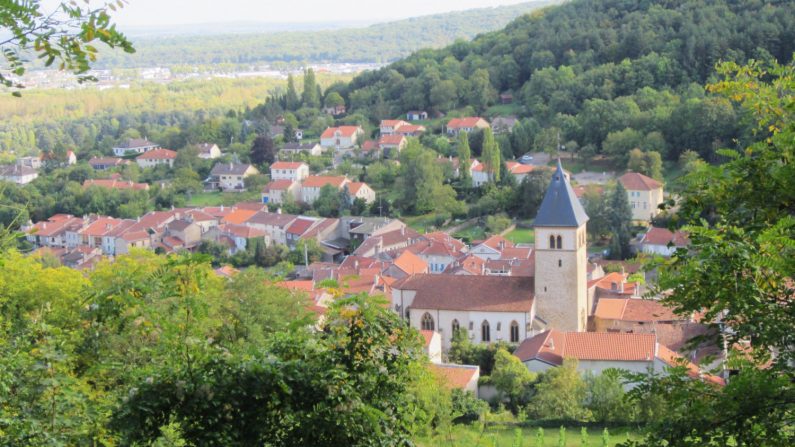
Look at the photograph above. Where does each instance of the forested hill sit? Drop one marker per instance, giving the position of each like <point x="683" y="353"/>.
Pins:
<point x="589" y="68"/>
<point x="378" y="43"/>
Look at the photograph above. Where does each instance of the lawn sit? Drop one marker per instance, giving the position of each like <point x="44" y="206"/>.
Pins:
<point x="425" y="223"/>
<point x="521" y="236"/>
<point x="471" y="233"/>
<point x="499" y="436"/>
<point x="223" y="198"/>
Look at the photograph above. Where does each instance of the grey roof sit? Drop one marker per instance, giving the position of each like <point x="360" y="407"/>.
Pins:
<point x="16" y="170"/>
<point x="229" y="169"/>
<point x="133" y="143"/>
<point x="560" y="207"/>
<point x="299" y="146"/>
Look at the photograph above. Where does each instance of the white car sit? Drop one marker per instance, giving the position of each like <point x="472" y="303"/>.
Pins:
<point x="526" y="159"/>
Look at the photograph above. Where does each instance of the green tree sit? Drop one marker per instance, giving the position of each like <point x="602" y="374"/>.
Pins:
<point x="464" y="158"/>
<point x="619" y="220"/>
<point x="263" y="151"/>
<point x="328" y="202"/>
<point x="606" y="398"/>
<point x="334" y="99"/>
<point x="292" y="100"/>
<point x="64" y="35"/>
<point x="491" y="155"/>
<point x="310" y="97"/>
<point x="511" y="378"/>
<point x="421" y="180"/>
<point x="560" y="393"/>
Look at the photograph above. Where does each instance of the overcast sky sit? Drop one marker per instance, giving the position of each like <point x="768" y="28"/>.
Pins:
<point x="178" y="12"/>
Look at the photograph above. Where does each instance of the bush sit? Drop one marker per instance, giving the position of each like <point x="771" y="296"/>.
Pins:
<point x="467" y="407"/>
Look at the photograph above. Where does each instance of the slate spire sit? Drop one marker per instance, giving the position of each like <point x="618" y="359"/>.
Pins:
<point x="561" y="207"/>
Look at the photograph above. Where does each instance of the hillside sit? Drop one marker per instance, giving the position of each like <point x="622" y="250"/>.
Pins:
<point x="608" y="75"/>
<point x="377" y="43"/>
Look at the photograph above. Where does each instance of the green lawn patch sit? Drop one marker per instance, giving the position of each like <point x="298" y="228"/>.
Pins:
<point x="470" y="436"/>
<point x="503" y="110"/>
<point x="471" y="233"/>
<point x="522" y="236"/>
<point x="223" y="198"/>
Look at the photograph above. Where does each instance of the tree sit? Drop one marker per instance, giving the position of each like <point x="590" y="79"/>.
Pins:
<point x="738" y="270"/>
<point x="530" y="193"/>
<point x="647" y="163"/>
<point x="560" y="393"/>
<point x="334" y="99"/>
<point x="292" y="101"/>
<point x="606" y="397"/>
<point x="310" y="97"/>
<point x="65" y="35"/>
<point x="328" y="203"/>
<point x="511" y="378"/>
<point x="421" y="180"/>
<point x="619" y="219"/>
<point x="263" y="151"/>
<point x="491" y="155"/>
<point x="464" y="158"/>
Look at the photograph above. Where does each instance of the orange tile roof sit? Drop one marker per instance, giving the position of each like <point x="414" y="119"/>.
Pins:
<point x="427" y="336"/>
<point x="115" y="184"/>
<point x="411" y="263"/>
<point x="238" y="216"/>
<point x="158" y="154"/>
<point x="518" y="168"/>
<point x="553" y="346"/>
<point x="616" y="279"/>
<point x="497" y="242"/>
<point x="354" y="187"/>
<point x="673" y="359"/>
<point x="369" y="145"/>
<point x="305" y="286"/>
<point x="287" y="165"/>
<point x="319" y="181"/>
<point x="638" y="182"/>
<point x="629" y="309"/>
<point x="466" y="122"/>
<point x="345" y="131"/>
<point x="455" y="376"/>
<point x="278" y="185"/>
<point x="392" y="140"/>
<point x="393" y="123"/>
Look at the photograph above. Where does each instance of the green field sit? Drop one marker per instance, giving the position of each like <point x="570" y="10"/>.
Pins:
<point x="223" y="198"/>
<point x="470" y="436"/>
<point x="521" y="236"/>
<point x="471" y="233"/>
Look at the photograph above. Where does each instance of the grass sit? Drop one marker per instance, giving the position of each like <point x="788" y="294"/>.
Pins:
<point x="424" y="223"/>
<point x="471" y="233"/>
<point x="503" y="110"/>
<point x="521" y="236"/>
<point x="469" y="436"/>
<point x="223" y="198"/>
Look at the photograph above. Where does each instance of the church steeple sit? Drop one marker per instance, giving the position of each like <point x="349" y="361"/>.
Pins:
<point x="561" y="207"/>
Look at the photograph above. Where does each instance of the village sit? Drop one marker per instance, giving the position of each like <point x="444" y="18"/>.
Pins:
<point x="550" y="299"/>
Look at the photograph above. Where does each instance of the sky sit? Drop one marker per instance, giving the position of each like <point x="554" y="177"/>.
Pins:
<point x="140" y="13"/>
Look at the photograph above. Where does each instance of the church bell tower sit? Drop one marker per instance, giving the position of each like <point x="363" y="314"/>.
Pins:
<point x="561" y="257"/>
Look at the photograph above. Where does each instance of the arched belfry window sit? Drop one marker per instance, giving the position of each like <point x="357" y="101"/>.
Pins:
<point x="560" y="242"/>
<point x="552" y="242"/>
<point x="427" y="322"/>
<point x="514" y="332"/>
<point x="485" y="332"/>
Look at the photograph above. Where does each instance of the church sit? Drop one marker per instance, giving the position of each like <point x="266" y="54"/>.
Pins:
<point x="511" y="309"/>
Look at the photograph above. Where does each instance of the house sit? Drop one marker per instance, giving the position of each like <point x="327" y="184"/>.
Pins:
<point x="645" y="195"/>
<point x="406" y="264"/>
<point x="230" y="176"/>
<point x="208" y="151"/>
<point x="411" y="130"/>
<point x="277" y="191"/>
<point x="506" y="98"/>
<point x="274" y="224"/>
<point x="135" y="146"/>
<point x="503" y="124"/>
<point x="311" y="186"/>
<point x="417" y="115"/>
<point x="360" y="190"/>
<point x="462" y="377"/>
<point x="157" y="157"/>
<point x="241" y="235"/>
<point x="466" y="124"/>
<point x="50" y="158"/>
<point x="661" y="241"/>
<point x="491" y="248"/>
<point x="391" y="145"/>
<point x="343" y="137"/>
<point x="115" y="184"/>
<point x="492" y="309"/>
<point x="478" y="174"/>
<point x="31" y="162"/>
<point x="298" y="228"/>
<point x="52" y="232"/>
<point x="21" y="175"/>
<point x="288" y="170"/>
<point x="335" y="110"/>
<point x="438" y="250"/>
<point x="387" y="241"/>
<point x="432" y="344"/>
<point x="294" y="149"/>
<point x="596" y="352"/>
<point x="518" y="170"/>
<point x="390" y="127"/>
<point x="105" y="163"/>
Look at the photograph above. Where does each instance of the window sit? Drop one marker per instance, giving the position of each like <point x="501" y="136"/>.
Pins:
<point x="560" y="263"/>
<point x="560" y="242"/>
<point x="427" y="322"/>
<point x="485" y="332"/>
<point x="471" y="326"/>
<point x="552" y="242"/>
<point x="456" y="327"/>
<point x="514" y="332"/>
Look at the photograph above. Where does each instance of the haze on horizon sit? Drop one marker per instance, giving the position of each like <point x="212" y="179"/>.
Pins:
<point x="158" y="13"/>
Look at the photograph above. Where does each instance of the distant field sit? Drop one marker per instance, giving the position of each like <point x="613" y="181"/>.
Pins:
<point x="521" y="236"/>
<point x="469" y="436"/>
<point x="226" y="199"/>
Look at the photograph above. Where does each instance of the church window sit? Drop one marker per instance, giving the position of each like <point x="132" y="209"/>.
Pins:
<point x="560" y="262"/>
<point x="552" y="242"/>
<point x="427" y="322"/>
<point x="499" y="326"/>
<point x="456" y="327"/>
<point x="514" y="332"/>
<point x="471" y="326"/>
<point x="560" y="242"/>
<point x="485" y="332"/>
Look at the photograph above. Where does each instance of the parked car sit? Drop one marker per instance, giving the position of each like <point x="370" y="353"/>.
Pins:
<point x="526" y="159"/>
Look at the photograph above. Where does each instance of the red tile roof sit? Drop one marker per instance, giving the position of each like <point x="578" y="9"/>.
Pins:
<point x="427" y="336"/>
<point x="466" y="122"/>
<point x="287" y="165"/>
<point x="518" y="168"/>
<point x="638" y="182"/>
<point x="300" y="226"/>
<point x="369" y="145"/>
<point x="115" y="184"/>
<point x="411" y="263"/>
<point x="242" y="231"/>
<point x="345" y="131"/>
<point x="614" y="282"/>
<point x="663" y="236"/>
<point x="391" y="140"/>
<point x="239" y="216"/>
<point x="393" y="123"/>
<point x="354" y="187"/>
<point x="319" y="181"/>
<point x="278" y="185"/>
<point x="455" y="376"/>
<point x="634" y="310"/>
<point x="553" y="346"/>
<point x="483" y="293"/>
<point x="158" y="154"/>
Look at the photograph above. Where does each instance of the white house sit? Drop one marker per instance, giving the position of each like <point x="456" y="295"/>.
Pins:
<point x="21" y="175"/>
<point x="661" y="241"/>
<point x="343" y="137"/>
<point x="157" y="157"/>
<point x="417" y="115"/>
<point x="360" y="190"/>
<point x="135" y="146"/>
<point x="277" y="191"/>
<point x="287" y="170"/>
<point x="492" y="309"/>
<point x="390" y="127"/>
<point x="294" y="149"/>
<point x="311" y="186"/>
<point x="230" y="176"/>
<point x="209" y="151"/>
<point x="467" y="124"/>
<point x="433" y="345"/>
